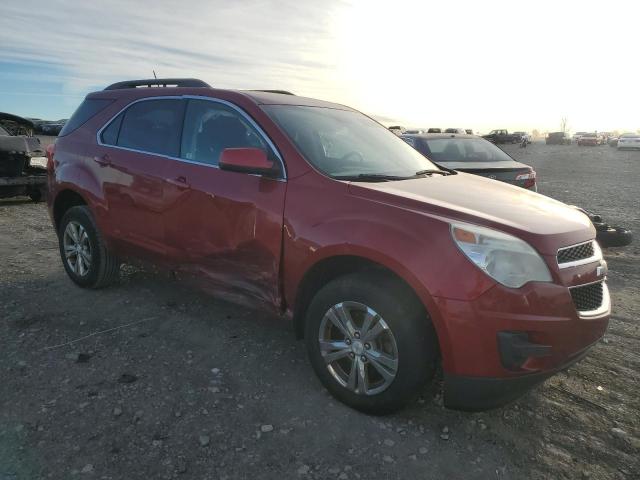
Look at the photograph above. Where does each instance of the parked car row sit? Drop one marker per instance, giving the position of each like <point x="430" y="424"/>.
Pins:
<point x="416" y="131"/>
<point x="387" y="263"/>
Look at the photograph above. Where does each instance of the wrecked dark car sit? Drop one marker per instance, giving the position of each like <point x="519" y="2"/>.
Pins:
<point x="23" y="162"/>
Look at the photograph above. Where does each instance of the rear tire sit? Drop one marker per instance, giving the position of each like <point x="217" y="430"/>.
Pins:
<point x="406" y="335"/>
<point x="83" y="252"/>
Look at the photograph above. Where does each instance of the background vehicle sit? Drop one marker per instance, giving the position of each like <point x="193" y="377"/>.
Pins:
<point x="472" y="154"/>
<point x="414" y="131"/>
<point x="590" y="139"/>
<point x="397" y="129"/>
<point x="576" y="136"/>
<point x="557" y="138"/>
<point x="613" y="141"/>
<point x="460" y="131"/>
<point x="434" y="130"/>
<point x="309" y="209"/>
<point x="524" y="136"/>
<point x="501" y="136"/>
<point x="22" y="160"/>
<point x="629" y="141"/>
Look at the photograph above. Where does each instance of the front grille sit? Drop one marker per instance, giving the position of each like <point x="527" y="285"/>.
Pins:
<point x="577" y="252"/>
<point x="587" y="297"/>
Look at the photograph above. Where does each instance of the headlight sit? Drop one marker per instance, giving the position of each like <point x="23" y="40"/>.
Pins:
<point x="38" y="162"/>
<point x="505" y="258"/>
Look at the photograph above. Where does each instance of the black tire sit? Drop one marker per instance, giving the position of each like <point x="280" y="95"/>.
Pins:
<point x="35" y="196"/>
<point x="614" y="237"/>
<point x="104" y="268"/>
<point x="415" y="338"/>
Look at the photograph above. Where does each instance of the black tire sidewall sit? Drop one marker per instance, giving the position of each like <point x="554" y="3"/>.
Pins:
<point x="618" y="237"/>
<point x="83" y="216"/>
<point x="407" y="319"/>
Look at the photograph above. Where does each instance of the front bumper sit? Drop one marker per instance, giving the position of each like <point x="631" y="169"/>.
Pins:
<point x="482" y="369"/>
<point x="474" y="394"/>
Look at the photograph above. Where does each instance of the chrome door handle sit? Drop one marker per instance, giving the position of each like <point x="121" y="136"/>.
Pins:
<point x="180" y="182"/>
<point x="103" y="161"/>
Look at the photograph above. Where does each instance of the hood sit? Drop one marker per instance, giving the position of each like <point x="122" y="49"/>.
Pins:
<point x="545" y="223"/>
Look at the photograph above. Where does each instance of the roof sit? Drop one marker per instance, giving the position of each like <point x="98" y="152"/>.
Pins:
<point x="193" y="86"/>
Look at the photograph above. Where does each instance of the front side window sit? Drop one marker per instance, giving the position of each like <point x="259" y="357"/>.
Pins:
<point x="210" y="127"/>
<point x="153" y="126"/>
<point x="345" y="143"/>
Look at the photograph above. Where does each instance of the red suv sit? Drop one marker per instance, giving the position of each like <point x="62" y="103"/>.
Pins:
<point x="385" y="263"/>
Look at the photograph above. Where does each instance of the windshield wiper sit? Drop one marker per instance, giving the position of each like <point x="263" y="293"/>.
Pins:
<point x="431" y="171"/>
<point x="370" y="177"/>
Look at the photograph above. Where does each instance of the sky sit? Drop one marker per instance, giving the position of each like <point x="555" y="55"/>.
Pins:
<point x="520" y="65"/>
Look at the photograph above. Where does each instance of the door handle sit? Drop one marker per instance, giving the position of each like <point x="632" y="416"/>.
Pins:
<point x="103" y="161"/>
<point x="180" y="182"/>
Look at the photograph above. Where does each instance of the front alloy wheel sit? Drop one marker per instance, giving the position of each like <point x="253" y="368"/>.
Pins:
<point x="358" y="347"/>
<point x="370" y="341"/>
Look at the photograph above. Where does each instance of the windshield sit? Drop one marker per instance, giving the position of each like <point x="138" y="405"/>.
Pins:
<point x="461" y="150"/>
<point x="344" y="143"/>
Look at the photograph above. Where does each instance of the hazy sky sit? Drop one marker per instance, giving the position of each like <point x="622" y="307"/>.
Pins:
<point x="471" y="64"/>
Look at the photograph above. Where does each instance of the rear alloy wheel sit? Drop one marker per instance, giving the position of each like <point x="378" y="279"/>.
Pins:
<point x="85" y="257"/>
<point x="77" y="248"/>
<point x="370" y="342"/>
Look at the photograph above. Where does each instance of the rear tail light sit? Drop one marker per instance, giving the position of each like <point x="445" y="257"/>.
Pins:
<point x="50" y="150"/>
<point x="529" y="178"/>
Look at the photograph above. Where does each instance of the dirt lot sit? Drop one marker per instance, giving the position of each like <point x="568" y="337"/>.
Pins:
<point x="191" y="387"/>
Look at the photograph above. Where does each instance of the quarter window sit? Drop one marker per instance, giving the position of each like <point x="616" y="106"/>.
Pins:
<point x="210" y="127"/>
<point x="153" y="126"/>
<point x="110" y="134"/>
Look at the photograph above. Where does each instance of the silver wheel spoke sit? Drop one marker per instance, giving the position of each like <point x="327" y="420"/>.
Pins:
<point x="337" y="355"/>
<point x="386" y="374"/>
<point x="383" y="359"/>
<point x="341" y="319"/>
<point x="73" y="231"/>
<point x="369" y="319"/>
<point x="363" y="383"/>
<point x="352" y="382"/>
<point x="377" y="329"/>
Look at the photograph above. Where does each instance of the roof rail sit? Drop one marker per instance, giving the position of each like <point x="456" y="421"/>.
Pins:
<point x="282" y="92"/>
<point x="159" y="82"/>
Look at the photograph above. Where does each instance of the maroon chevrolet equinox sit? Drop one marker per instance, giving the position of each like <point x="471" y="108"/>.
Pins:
<point x="386" y="263"/>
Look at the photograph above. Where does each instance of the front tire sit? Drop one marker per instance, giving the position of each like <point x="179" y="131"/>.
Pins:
<point x="83" y="252"/>
<point x="370" y="342"/>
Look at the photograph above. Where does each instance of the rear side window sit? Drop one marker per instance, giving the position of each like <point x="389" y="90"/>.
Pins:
<point x="86" y="110"/>
<point x="153" y="126"/>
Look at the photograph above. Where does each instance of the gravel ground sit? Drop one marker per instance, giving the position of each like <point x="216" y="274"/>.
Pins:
<point x="165" y="382"/>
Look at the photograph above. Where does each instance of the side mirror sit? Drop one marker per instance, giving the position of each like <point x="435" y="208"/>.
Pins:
<point x="246" y="160"/>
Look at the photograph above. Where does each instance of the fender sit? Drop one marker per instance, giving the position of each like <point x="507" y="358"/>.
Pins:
<point x="78" y="178"/>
